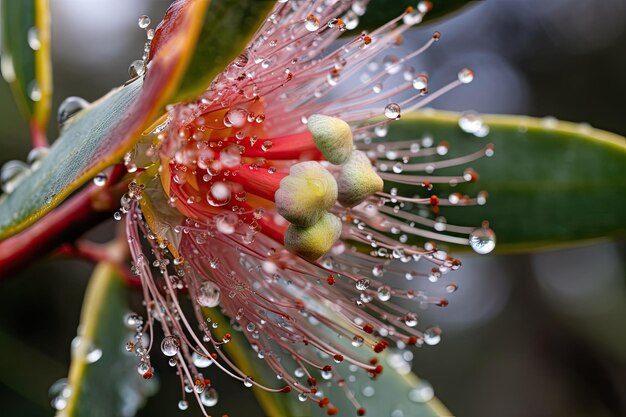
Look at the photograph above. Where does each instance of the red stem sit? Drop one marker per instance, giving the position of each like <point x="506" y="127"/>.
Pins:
<point x="37" y="135"/>
<point x="63" y="225"/>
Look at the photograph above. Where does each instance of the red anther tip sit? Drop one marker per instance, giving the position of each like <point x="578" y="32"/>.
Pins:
<point x="360" y="412"/>
<point x="331" y="411"/>
<point x="434" y="200"/>
<point x="327" y="368"/>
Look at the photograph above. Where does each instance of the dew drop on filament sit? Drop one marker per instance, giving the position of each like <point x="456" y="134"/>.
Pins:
<point x="392" y="111"/>
<point x="482" y="239"/>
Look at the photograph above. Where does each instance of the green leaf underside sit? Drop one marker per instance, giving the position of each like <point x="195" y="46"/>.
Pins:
<point x="28" y="65"/>
<point x="548" y="186"/>
<point x="227" y="28"/>
<point x="110" y="386"/>
<point x="380" y="12"/>
<point x="81" y="145"/>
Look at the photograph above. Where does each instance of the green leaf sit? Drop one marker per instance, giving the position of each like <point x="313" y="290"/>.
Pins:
<point x="380" y="12"/>
<point x="100" y="135"/>
<point x="549" y="183"/>
<point x="239" y="350"/>
<point x="26" y="57"/>
<point x="110" y="386"/>
<point x="228" y="26"/>
<point x="393" y="390"/>
<point x="389" y="392"/>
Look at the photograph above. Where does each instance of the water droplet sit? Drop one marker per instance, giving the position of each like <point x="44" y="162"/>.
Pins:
<point x="392" y="111"/>
<point x="384" y="293"/>
<point x="266" y="146"/>
<point x="247" y="382"/>
<point x="482" y="239"/>
<point x="170" y="345"/>
<point x="422" y="393"/>
<point x="209" y="397"/>
<point x="60" y="393"/>
<point x="410" y="319"/>
<point x="143" y="21"/>
<point x="420" y="82"/>
<point x="470" y="122"/>
<point x="137" y="68"/>
<point x="33" y="38"/>
<point x="303" y="396"/>
<point x="69" y="107"/>
<point x="432" y="336"/>
<point x="86" y="349"/>
<point x="208" y="294"/>
<point x="235" y="117"/>
<point x="201" y="361"/>
<point x="100" y="179"/>
<point x="11" y="174"/>
<point x="219" y="195"/>
<point x="183" y="405"/>
<point x="7" y="68"/>
<point x="36" y="155"/>
<point x="362" y="284"/>
<point x="351" y="20"/>
<point x="450" y="288"/>
<point x="466" y="75"/>
<point x="34" y="91"/>
<point x="311" y="23"/>
<point x="368" y="391"/>
<point x="357" y="341"/>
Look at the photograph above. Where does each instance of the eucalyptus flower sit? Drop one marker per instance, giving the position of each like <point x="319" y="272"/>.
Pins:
<point x="278" y="197"/>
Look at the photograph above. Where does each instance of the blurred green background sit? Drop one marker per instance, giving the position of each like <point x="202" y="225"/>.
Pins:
<point x="536" y="335"/>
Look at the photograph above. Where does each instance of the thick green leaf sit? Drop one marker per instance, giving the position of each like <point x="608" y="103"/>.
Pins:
<point x="100" y="135"/>
<point x="110" y="386"/>
<point x="81" y="146"/>
<point x="394" y="389"/>
<point x="549" y="183"/>
<point x="26" y="56"/>
<point x="380" y="12"/>
<point x="227" y="28"/>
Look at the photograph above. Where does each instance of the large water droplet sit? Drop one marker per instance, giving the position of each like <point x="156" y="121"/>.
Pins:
<point x="34" y="91"/>
<point x="7" y="68"/>
<point x="170" y="345"/>
<point x="143" y="21"/>
<point x="219" y="195"/>
<point x="384" y="293"/>
<point x="100" y="179"/>
<point x="209" y="397"/>
<point x="36" y="155"/>
<point x="33" y="39"/>
<point x="137" y="68"/>
<point x="362" y="284"/>
<point x="466" y="75"/>
<point x="86" y="349"/>
<point x="201" y="361"/>
<point x="69" y="107"/>
<point x="432" y="336"/>
<point x="422" y="393"/>
<point x="470" y="122"/>
<point x="60" y="393"/>
<point x="311" y="23"/>
<point x="392" y="111"/>
<point x="208" y="294"/>
<point x="482" y="239"/>
<point x="11" y="174"/>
